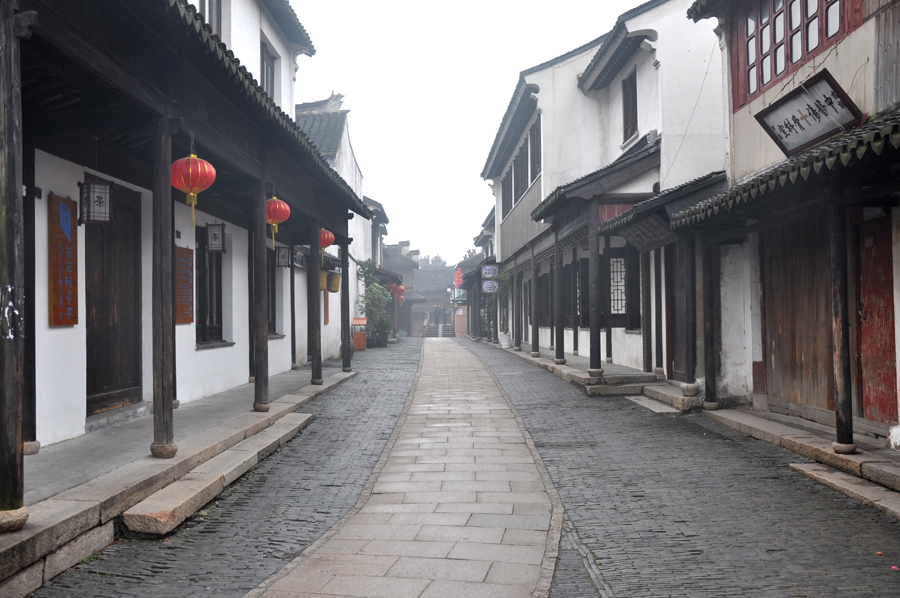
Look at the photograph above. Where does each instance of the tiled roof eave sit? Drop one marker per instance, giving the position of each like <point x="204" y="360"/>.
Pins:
<point x="187" y="15"/>
<point x="844" y="149"/>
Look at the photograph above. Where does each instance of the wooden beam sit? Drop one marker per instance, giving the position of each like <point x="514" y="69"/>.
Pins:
<point x="843" y="403"/>
<point x="313" y="298"/>
<point x="573" y="291"/>
<point x="346" y="337"/>
<point x="596" y="359"/>
<point x="607" y="300"/>
<point x="260" y="303"/>
<point x="163" y="306"/>
<point x="13" y="512"/>
<point x="657" y="288"/>
<point x="558" y="281"/>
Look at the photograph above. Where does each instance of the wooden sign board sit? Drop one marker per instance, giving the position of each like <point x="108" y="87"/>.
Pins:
<point x="184" y="285"/>
<point x="489" y="286"/>
<point x="490" y="271"/>
<point x="62" y="232"/>
<point x="813" y="112"/>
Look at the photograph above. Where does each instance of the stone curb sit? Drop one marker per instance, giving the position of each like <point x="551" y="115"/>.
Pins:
<point x="864" y="467"/>
<point x="673" y="396"/>
<point x="62" y="520"/>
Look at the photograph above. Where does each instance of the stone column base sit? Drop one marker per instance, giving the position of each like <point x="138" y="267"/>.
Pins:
<point x="263" y="407"/>
<point x="843" y="449"/>
<point x="163" y="451"/>
<point x="710" y="405"/>
<point x="317" y="381"/>
<point x="347" y="369"/>
<point x="608" y="360"/>
<point x="574" y="352"/>
<point x="535" y="354"/>
<point x="595" y="373"/>
<point x="13" y="521"/>
<point x="176" y="404"/>
<point x="31" y="447"/>
<point x="660" y="373"/>
<point x="690" y="390"/>
<point x="517" y="348"/>
<point x="559" y="361"/>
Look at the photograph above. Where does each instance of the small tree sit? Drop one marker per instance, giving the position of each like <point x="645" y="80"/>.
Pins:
<point x="374" y="301"/>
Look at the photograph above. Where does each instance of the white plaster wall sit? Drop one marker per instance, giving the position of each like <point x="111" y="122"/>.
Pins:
<point x="346" y="165"/>
<point x="627" y="348"/>
<point x="734" y="378"/>
<point x="245" y="24"/>
<point x="61" y="364"/>
<point x="204" y="372"/>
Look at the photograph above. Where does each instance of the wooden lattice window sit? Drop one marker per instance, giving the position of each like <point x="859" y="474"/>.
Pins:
<point x="267" y="70"/>
<point x="520" y="172"/>
<point x="774" y="37"/>
<point x="506" y="195"/>
<point x="534" y="140"/>
<point x="209" y="290"/>
<point x="629" y="105"/>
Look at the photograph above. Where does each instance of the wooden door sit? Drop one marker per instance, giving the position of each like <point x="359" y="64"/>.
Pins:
<point x="877" y="354"/>
<point x="113" y="289"/>
<point x="681" y="311"/>
<point x="797" y="295"/>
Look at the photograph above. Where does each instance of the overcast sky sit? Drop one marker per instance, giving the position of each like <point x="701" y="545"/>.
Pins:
<point x="427" y="84"/>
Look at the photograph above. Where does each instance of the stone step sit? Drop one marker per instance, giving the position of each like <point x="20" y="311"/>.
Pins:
<point x="673" y="396"/>
<point x="163" y="511"/>
<point x="613" y="390"/>
<point x="629" y="379"/>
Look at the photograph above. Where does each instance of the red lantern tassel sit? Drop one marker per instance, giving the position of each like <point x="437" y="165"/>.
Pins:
<point x="192" y="201"/>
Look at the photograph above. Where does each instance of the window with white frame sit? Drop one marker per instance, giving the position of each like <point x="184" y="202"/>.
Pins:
<point x="267" y="70"/>
<point x="212" y="13"/>
<point x="523" y="171"/>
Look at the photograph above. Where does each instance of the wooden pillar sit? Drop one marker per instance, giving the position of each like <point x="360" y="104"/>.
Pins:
<point x="315" y="318"/>
<point x="573" y="291"/>
<point x="559" y="284"/>
<point x="645" y="312"/>
<point x="594" y="288"/>
<point x="495" y="318"/>
<point x="535" y="329"/>
<point x="163" y="308"/>
<point x="13" y="512"/>
<point x="293" y="306"/>
<point x="29" y="400"/>
<point x="709" y="331"/>
<point x="251" y="307"/>
<point x="518" y="309"/>
<point x="346" y="340"/>
<point x="843" y="405"/>
<point x="657" y="268"/>
<point x="607" y="300"/>
<point x="260" y="303"/>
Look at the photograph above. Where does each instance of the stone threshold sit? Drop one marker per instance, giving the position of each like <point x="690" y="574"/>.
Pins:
<point x="871" y="475"/>
<point x="66" y="528"/>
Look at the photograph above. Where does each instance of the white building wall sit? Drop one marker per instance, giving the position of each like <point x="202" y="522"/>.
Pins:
<point x="734" y="375"/>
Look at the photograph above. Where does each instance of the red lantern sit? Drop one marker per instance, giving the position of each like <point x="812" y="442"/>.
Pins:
<point x="401" y="299"/>
<point x="401" y="290"/>
<point x="192" y="175"/>
<point x="326" y="238"/>
<point x="391" y="286"/>
<point x="276" y="212"/>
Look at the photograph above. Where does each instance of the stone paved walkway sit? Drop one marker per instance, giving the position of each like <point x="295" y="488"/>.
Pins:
<point x="458" y="507"/>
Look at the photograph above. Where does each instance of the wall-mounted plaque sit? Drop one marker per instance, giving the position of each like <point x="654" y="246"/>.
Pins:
<point x="62" y="229"/>
<point x="813" y="112"/>
<point x="489" y="286"/>
<point x="184" y="285"/>
<point x="490" y="271"/>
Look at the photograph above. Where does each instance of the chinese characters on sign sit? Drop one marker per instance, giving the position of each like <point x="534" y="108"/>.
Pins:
<point x="814" y="111"/>
<point x="63" y="245"/>
<point x="184" y="285"/>
<point x="490" y="271"/>
<point x="489" y="286"/>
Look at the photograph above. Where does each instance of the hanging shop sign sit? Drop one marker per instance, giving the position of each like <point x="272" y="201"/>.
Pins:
<point x="184" y="285"/>
<point x="490" y="271"/>
<point x="489" y="286"/>
<point x="63" y="271"/>
<point x="813" y="112"/>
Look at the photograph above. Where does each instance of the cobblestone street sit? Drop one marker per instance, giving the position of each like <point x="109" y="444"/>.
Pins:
<point x="654" y="505"/>
<point x="271" y="514"/>
<point x="682" y="506"/>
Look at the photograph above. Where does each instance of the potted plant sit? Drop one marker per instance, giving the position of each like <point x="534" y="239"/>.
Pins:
<point x="382" y="332"/>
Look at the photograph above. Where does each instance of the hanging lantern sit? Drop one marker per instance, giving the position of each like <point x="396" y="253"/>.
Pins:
<point x="192" y="175"/>
<point x="95" y="202"/>
<point x="276" y="212"/>
<point x="391" y="286"/>
<point x="458" y="277"/>
<point x="326" y="238"/>
<point x="401" y="290"/>
<point x="215" y="238"/>
<point x="401" y="299"/>
<point x="282" y="256"/>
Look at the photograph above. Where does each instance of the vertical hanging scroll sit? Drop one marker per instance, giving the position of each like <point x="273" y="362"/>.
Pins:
<point x="62" y="232"/>
<point x="184" y="285"/>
